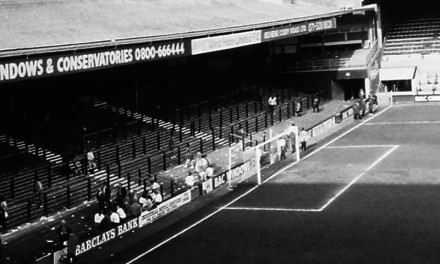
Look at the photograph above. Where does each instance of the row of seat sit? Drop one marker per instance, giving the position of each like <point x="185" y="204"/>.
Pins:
<point x="25" y="186"/>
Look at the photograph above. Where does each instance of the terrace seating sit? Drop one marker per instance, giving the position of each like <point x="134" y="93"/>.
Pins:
<point x="414" y="36"/>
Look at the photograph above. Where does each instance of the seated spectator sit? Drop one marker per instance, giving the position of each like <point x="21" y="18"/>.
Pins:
<point x="63" y="231"/>
<point x="189" y="180"/>
<point x="209" y="172"/>
<point x="147" y="203"/>
<point x="114" y="218"/>
<point x="154" y="185"/>
<point x="121" y="212"/>
<point x="135" y="209"/>
<point x="202" y="164"/>
<point x="99" y="216"/>
<point x="157" y="197"/>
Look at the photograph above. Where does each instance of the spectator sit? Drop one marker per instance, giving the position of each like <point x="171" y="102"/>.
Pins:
<point x="356" y="111"/>
<point x="189" y="180"/>
<point x="372" y="100"/>
<point x="201" y="164"/>
<point x="157" y="198"/>
<point x="171" y="145"/>
<point x="272" y="103"/>
<point x="135" y="209"/>
<point x="362" y="108"/>
<point x="103" y="197"/>
<point x="281" y="142"/>
<point x="298" y="107"/>
<point x="189" y="156"/>
<point x="99" y="216"/>
<point x="291" y="134"/>
<point x="120" y="211"/>
<point x="146" y="202"/>
<point x="121" y="194"/>
<point x="316" y="105"/>
<point x="3" y="215"/>
<point x="361" y="94"/>
<point x="114" y="218"/>
<point x="91" y="165"/>
<point x="38" y="192"/>
<point x="71" y="248"/>
<point x="63" y="231"/>
<point x="303" y="137"/>
<point x="154" y="184"/>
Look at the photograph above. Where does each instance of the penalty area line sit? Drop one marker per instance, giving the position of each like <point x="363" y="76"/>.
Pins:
<point x="273" y="209"/>
<point x="357" y="178"/>
<point x="361" y="146"/>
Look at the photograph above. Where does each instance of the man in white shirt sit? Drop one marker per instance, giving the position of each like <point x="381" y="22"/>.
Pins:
<point x="303" y="137"/>
<point x="98" y="217"/>
<point x="121" y="212"/>
<point x="114" y="218"/>
<point x="272" y="103"/>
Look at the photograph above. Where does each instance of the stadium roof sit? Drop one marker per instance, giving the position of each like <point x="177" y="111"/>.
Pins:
<point x="30" y="24"/>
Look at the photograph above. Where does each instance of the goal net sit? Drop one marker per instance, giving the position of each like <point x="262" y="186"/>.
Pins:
<point x="254" y="160"/>
<point x="276" y="152"/>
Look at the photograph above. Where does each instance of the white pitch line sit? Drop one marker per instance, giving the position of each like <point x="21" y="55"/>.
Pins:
<point x="404" y="123"/>
<point x="357" y="178"/>
<point x="361" y="146"/>
<point x="253" y="188"/>
<point x="273" y="209"/>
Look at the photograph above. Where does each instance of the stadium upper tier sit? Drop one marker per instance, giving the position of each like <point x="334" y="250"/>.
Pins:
<point x="37" y="23"/>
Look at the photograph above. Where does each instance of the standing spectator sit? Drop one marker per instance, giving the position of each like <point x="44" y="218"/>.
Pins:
<point x="281" y="151"/>
<point x="303" y="137"/>
<point x="356" y="111"/>
<point x="298" y="107"/>
<point x="291" y="134"/>
<point x="63" y="231"/>
<point x="103" y="196"/>
<point x="272" y="103"/>
<point x="3" y="215"/>
<point x="38" y="192"/>
<point x="91" y="164"/>
<point x="361" y="94"/>
<point x="316" y="105"/>
<point x="372" y="100"/>
<point x="362" y="108"/>
<point x="121" y="194"/>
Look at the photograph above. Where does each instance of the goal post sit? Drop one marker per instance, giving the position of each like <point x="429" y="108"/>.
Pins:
<point x="248" y="161"/>
<point x="278" y="149"/>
